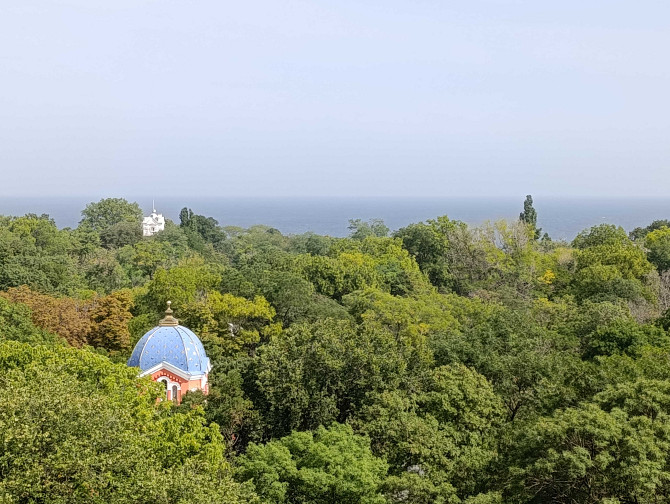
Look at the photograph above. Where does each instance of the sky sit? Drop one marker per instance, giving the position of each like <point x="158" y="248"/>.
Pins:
<point x="334" y="98"/>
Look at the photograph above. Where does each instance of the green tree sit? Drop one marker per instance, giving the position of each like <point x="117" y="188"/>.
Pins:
<point x="229" y="324"/>
<point x="615" y="448"/>
<point x="34" y="252"/>
<point x="384" y="263"/>
<point x="121" y="234"/>
<point x="411" y="320"/>
<point x="429" y="246"/>
<point x="76" y="428"/>
<point x="16" y="324"/>
<point x="529" y="216"/>
<point x="328" y="466"/>
<point x="609" y="265"/>
<point x="183" y="284"/>
<point x="201" y="228"/>
<point x="657" y="243"/>
<point x="316" y="374"/>
<point x="103" y="272"/>
<point x="639" y="233"/>
<point x="438" y="439"/>
<point x="532" y="368"/>
<point x="107" y="212"/>
<point x="624" y="336"/>
<point x="361" y="229"/>
<point x="110" y="316"/>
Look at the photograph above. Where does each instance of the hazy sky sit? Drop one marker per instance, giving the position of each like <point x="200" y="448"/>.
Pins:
<point x="364" y="97"/>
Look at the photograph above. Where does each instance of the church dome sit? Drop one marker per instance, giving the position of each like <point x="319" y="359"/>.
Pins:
<point x="171" y="343"/>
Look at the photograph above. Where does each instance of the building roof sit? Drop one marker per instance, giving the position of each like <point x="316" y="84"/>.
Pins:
<point x="154" y="219"/>
<point x="173" y="344"/>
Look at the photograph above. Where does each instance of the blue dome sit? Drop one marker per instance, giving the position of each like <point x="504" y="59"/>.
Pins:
<point x="176" y="345"/>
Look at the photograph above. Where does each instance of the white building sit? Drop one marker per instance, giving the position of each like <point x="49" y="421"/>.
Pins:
<point x="153" y="224"/>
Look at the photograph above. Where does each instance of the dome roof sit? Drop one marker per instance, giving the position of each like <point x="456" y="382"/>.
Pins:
<point x="171" y="343"/>
<point x="175" y="345"/>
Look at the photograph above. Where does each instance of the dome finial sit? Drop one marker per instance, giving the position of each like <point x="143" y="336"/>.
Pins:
<point x="169" y="320"/>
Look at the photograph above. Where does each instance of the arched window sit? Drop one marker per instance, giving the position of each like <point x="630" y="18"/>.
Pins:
<point x="174" y="392"/>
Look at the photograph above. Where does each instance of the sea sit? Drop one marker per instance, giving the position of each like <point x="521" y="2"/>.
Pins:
<point x="562" y="218"/>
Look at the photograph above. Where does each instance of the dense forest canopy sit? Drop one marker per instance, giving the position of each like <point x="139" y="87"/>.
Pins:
<point x="438" y="363"/>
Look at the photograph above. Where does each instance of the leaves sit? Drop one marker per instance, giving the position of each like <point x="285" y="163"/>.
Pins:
<point x="77" y="429"/>
<point x="328" y="466"/>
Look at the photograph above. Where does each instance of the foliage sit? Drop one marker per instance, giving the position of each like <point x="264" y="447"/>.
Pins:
<point x="76" y="429"/>
<point x="66" y="317"/>
<point x="16" y="324"/>
<point x="327" y="466"/>
<point x="34" y="252"/>
<point x="320" y="373"/>
<point x="106" y="213"/>
<point x="101" y="321"/>
<point x="121" y="234"/>
<point x="639" y="233"/>
<point x="443" y="363"/>
<point x="657" y="243"/>
<point x="609" y="265"/>
<point x="529" y="216"/>
<point x="361" y="229"/>
<point x="614" y="448"/>
<point x="110" y="316"/>
<point x="438" y="438"/>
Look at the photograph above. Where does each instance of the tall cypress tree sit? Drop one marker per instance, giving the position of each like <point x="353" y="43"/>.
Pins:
<point x="529" y="215"/>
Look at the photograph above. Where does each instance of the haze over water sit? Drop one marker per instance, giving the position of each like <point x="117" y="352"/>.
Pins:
<point x="562" y="218"/>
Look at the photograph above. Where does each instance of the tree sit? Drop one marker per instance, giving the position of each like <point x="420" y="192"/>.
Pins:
<point x="76" y="428"/>
<point x="103" y="272"/>
<point x="229" y="324"/>
<point x="529" y="216"/>
<point x="198" y="226"/>
<point x="66" y="317"/>
<point x="100" y="321"/>
<point x="121" y="234"/>
<point x="34" y="252"/>
<point x="336" y="277"/>
<point x="429" y="247"/>
<point x="16" y="325"/>
<point x="640" y="233"/>
<point x="292" y="296"/>
<point x="411" y="320"/>
<point x="107" y="212"/>
<point x="438" y="439"/>
<point x="110" y="316"/>
<point x="390" y="266"/>
<point x="614" y="449"/>
<point x="318" y="373"/>
<point x="185" y="216"/>
<point x="328" y="466"/>
<point x="362" y="229"/>
<point x="657" y="243"/>
<point x="183" y="284"/>
<point x="310" y="243"/>
<point x="532" y="368"/>
<point x="609" y="265"/>
<point x="624" y="336"/>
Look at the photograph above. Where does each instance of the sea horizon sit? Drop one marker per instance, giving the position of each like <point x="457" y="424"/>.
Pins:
<point x="561" y="216"/>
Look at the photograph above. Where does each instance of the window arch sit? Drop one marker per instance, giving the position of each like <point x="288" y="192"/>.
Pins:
<point x="175" y="396"/>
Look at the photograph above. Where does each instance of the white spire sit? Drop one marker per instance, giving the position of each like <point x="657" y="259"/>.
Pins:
<point x="153" y="205"/>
